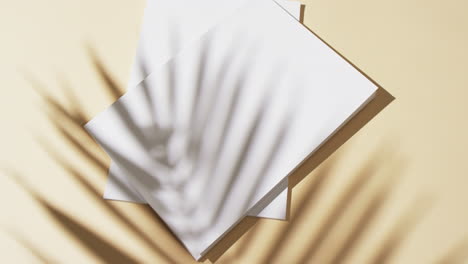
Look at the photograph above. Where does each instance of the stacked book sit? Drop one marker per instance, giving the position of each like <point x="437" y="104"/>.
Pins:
<point x="226" y="99"/>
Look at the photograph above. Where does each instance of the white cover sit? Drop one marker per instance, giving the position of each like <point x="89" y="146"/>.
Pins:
<point x="280" y="91"/>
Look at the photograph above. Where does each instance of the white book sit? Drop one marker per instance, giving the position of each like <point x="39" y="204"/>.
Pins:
<point x="238" y="111"/>
<point x="161" y="21"/>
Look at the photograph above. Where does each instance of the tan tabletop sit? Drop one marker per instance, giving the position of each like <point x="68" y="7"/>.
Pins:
<point x="392" y="186"/>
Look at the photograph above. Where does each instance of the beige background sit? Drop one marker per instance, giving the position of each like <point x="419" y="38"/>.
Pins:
<point x="396" y="191"/>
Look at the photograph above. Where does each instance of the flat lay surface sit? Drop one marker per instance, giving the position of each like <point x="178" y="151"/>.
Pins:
<point x="389" y="187"/>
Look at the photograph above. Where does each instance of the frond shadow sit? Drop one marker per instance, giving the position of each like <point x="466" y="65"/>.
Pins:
<point x="69" y="123"/>
<point x="112" y="210"/>
<point x="200" y="123"/>
<point x="147" y="179"/>
<point x="88" y="239"/>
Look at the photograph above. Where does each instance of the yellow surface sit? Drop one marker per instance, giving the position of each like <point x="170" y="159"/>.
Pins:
<point x="396" y="191"/>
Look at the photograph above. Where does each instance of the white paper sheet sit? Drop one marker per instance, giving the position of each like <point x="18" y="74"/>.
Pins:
<point x="151" y="56"/>
<point x="280" y="91"/>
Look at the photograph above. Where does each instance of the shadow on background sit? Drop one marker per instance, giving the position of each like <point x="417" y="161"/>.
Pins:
<point x="95" y="244"/>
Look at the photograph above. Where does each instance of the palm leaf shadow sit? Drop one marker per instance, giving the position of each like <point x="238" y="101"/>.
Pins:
<point x="314" y="191"/>
<point x="57" y="114"/>
<point x="383" y="98"/>
<point x="346" y="202"/>
<point x="75" y="118"/>
<point x="115" y="91"/>
<point x="69" y="123"/>
<point x="108" y="253"/>
<point x="88" y="239"/>
<point x="244" y="154"/>
<point x="132" y="127"/>
<point x="85" y="184"/>
<point x="367" y="217"/>
<point x="384" y="254"/>
<point x="343" y="201"/>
